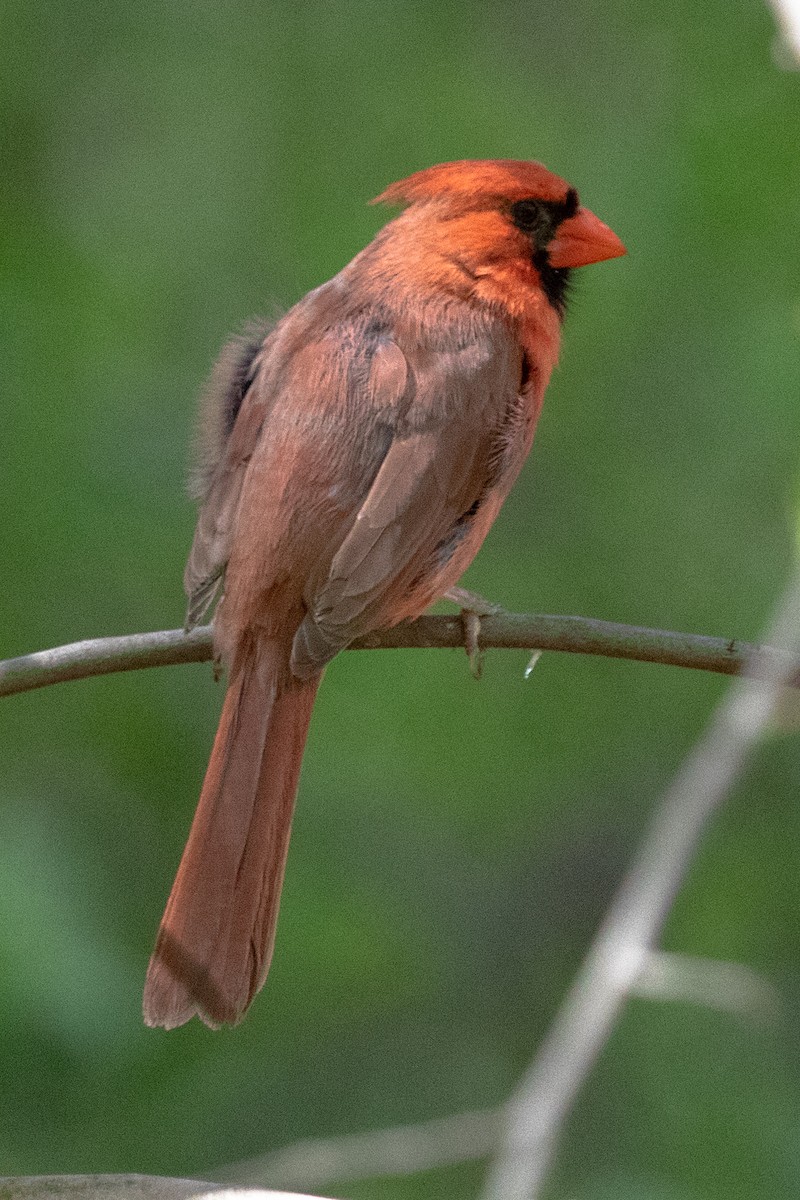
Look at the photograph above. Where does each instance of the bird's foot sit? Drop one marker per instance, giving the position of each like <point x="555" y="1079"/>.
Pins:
<point x="473" y="608"/>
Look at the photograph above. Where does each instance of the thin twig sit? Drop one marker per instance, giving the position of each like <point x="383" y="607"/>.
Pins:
<point x="379" y="1153"/>
<point x="728" y="987"/>
<point x="537" y="1112"/>
<point x="527" y="631"/>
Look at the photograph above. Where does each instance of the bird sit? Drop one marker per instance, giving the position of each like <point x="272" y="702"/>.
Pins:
<point x="351" y="460"/>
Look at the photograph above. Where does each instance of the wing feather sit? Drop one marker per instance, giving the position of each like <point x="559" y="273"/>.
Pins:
<point x="216" y="521"/>
<point x="434" y="473"/>
<point x="356" y="459"/>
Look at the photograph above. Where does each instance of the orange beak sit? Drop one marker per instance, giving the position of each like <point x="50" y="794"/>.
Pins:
<point x="583" y="239"/>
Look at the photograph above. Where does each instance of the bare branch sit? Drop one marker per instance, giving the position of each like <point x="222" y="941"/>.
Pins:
<point x="727" y="986"/>
<point x="128" y="1187"/>
<point x="537" y="1113"/>
<point x="402" y="1150"/>
<point x="505" y="631"/>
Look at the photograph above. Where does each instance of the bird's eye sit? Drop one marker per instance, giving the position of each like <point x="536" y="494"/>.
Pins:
<point x="530" y="215"/>
<point x="539" y="219"/>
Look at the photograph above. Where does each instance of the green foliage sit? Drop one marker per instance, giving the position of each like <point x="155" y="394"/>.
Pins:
<point x="172" y="169"/>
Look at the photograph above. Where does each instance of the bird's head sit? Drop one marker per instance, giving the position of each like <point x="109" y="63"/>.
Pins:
<point x="492" y="212"/>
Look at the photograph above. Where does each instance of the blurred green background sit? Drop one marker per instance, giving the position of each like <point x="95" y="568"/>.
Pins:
<point x="169" y="170"/>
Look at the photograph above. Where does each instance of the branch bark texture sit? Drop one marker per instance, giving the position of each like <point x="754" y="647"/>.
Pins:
<point x="129" y="1187"/>
<point x="504" y="631"/>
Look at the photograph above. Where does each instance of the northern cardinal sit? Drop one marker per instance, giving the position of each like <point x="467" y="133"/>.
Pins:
<point x="353" y="460"/>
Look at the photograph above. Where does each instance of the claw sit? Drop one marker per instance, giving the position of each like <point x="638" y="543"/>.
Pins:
<point x="473" y="607"/>
<point x="472" y="628"/>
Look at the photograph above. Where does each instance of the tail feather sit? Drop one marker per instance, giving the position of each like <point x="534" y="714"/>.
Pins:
<point x="215" y="942"/>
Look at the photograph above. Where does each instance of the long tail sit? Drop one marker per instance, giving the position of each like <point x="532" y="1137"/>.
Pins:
<point x="215" y="941"/>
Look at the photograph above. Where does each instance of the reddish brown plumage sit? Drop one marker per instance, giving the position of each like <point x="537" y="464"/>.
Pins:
<point x="355" y="462"/>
